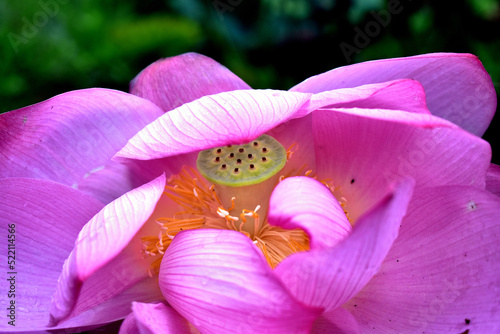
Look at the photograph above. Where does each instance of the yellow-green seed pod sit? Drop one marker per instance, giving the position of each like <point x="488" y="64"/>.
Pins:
<point x="242" y="165"/>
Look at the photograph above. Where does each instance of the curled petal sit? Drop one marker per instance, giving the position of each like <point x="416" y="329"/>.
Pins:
<point x="302" y="202"/>
<point x="221" y="283"/>
<point x="101" y="240"/>
<point x="216" y="120"/>
<point x="406" y="94"/>
<point x="457" y="86"/>
<point x="329" y="277"/>
<point x="441" y="275"/>
<point x="173" y="81"/>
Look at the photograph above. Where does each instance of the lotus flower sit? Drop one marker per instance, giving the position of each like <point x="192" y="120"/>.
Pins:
<point x="361" y="200"/>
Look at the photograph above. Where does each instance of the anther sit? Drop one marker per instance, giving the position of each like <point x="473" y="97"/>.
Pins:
<point x="222" y="212"/>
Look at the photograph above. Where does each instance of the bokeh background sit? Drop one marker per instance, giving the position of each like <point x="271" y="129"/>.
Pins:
<point x="48" y="47"/>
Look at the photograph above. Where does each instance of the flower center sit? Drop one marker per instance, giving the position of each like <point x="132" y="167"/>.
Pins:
<point x="243" y="178"/>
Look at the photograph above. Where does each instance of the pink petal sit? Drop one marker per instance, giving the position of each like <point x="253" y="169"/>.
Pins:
<point x="241" y="116"/>
<point x="493" y="179"/>
<point x="327" y="278"/>
<point x="231" y="117"/>
<point x="374" y="148"/>
<point x="160" y="319"/>
<point x="456" y="85"/>
<point x="407" y="95"/>
<point x="107" y="182"/>
<point x="220" y="282"/>
<point x="73" y="136"/>
<point x="442" y="270"/>
<point x="302" y="202"/>
<point x="47" y="218"/>
<point x="337" y="321"/>
<point x="173" y="81"/>
<point x="101" y="240"/>
<point x="297" y="134"/>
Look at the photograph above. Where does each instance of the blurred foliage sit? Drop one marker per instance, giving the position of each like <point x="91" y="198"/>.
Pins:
<point x="52" y="46"/>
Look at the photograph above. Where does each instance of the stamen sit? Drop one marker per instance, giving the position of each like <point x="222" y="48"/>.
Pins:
<point x="224" y="214"/>
<point x="290" y="151"/>
<point x="214" y="206"/>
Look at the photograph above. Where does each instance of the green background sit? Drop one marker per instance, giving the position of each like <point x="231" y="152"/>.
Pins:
<point x="268" y="43"/>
